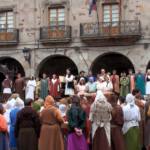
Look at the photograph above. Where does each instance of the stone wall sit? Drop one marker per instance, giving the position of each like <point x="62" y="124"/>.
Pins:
<point x="30" y="15"/>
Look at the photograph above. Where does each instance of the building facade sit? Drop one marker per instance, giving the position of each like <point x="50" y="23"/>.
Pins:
<point x="38" y="36"/>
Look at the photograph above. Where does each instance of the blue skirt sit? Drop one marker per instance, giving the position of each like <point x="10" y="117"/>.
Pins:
<point x="4" y="141"/>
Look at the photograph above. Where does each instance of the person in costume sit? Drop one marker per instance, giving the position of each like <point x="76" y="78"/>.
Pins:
<point x="27" y="128"/>
<point x="117" y="139"/>
<point x="51" y="137"/>
<point x="13" y="115"/>
<point x="131" y="128"/>
<point x="30" y="89"/>
<point x="69" y="83"/>
<point x="132" y="80"/>
<point x="124" y="85"/>
<point x="54" y="87"/>
<point x="115" y="81"/>
<point x="140" y="82"/>
<point x="100" y="117"/>
<point x="7" y="88"/>
<point x="77" y="123"/>
<point x="19" y="86"/>
<point x="44" y="87"/>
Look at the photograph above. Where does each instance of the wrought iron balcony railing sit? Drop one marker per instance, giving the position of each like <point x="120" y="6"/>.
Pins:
<point x="103" y="30"/>
<point x="9" y="36"/>
<point x="55" y="34"/>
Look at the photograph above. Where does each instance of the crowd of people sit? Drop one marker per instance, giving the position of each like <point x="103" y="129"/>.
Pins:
<point x="84" y="112"/>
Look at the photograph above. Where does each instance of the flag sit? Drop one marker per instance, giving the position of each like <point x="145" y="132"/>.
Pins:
<point x="92" y="4"/>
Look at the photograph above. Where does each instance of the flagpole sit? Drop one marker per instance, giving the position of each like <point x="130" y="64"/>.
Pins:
<point x="97" y="18"/>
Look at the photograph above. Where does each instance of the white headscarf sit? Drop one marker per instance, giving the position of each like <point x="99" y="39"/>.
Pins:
<point x="19" y="104"/>
<point x="100" y="96"/>
<point x="130" y="99"/>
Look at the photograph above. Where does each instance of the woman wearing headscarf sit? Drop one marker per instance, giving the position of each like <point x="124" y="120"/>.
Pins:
<point x="131" y="129"/>
<point x="51" y="137"/>
<point x="13" y="115"/>
<point x="27" y="128"/>
<point x="100" y="116"/>
<point x="3" y="130"/>
<point x="76" y="121"/>
<point x="117" y="139"/>
<point x="81" y="87"/>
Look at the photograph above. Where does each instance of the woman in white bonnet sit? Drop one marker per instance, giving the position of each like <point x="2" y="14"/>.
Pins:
<point x="100" y="116"/>
<point x="131" y="129"/>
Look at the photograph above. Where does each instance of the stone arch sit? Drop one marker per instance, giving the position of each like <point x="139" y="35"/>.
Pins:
<point x="110" y="61"/>
<point x="56" y="64"/>
<point x="11" y="66"/>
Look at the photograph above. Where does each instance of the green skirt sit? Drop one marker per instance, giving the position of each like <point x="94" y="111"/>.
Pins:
<point x="132" y="139"/>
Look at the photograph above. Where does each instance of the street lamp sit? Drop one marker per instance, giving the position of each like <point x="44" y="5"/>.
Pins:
<point x="27" y="54"/>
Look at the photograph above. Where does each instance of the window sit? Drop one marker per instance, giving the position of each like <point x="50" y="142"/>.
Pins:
<point x="6" y="20"/>
<point x="111" y="14"/>
<point x="56" y="16"/>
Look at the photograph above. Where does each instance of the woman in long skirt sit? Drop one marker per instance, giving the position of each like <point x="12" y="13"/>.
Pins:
<point x="131" y="129"/>
<point x="51" y="137"/>
<point x="77" y="121"/>
<point x="100" y="116"/>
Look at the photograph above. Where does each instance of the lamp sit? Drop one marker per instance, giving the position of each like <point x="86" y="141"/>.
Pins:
<point x="27" y="54"/>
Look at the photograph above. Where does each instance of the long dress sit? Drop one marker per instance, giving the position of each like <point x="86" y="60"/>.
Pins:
<point x="140" y="82"/>
<point x="124" y="89"/>
<point x="30" y="89"/>
<point x="3" y="134"/>
<point x="69" y="89"/>
<point x="131" y="129"/>
<point x="19" y="86"/>
<point x="148" y="85"/>
<point x="115" y="81"/>
<point x="37" y="89"/>
<point x="51" y="137"/>
<point x="44" y="88"/>
<point x="27" y="129"/>
<point x="76" y="119"/>
<point x="100" y="116"/>
<point x="54" y="88"/>
<point x="12" y="139"/>
<point x="7" y="85"/>
<point x="117" y="139"/>
<point x="132" y="82"/>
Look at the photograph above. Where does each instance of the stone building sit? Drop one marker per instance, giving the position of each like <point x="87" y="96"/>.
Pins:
<point x="49" y="36"/>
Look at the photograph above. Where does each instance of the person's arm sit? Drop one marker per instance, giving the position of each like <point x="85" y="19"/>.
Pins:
<point x="58" y="116"/>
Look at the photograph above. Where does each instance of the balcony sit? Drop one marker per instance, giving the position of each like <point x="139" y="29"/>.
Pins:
<point x="111" y="33"/>
<point x="9" y="36"/>
<point x="55" y="34"/>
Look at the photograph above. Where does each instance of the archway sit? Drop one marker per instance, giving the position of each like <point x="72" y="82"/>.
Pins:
<point x="11" y="66"/>
<point x="111" y="61"/>
<point x="57" y="64"/>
